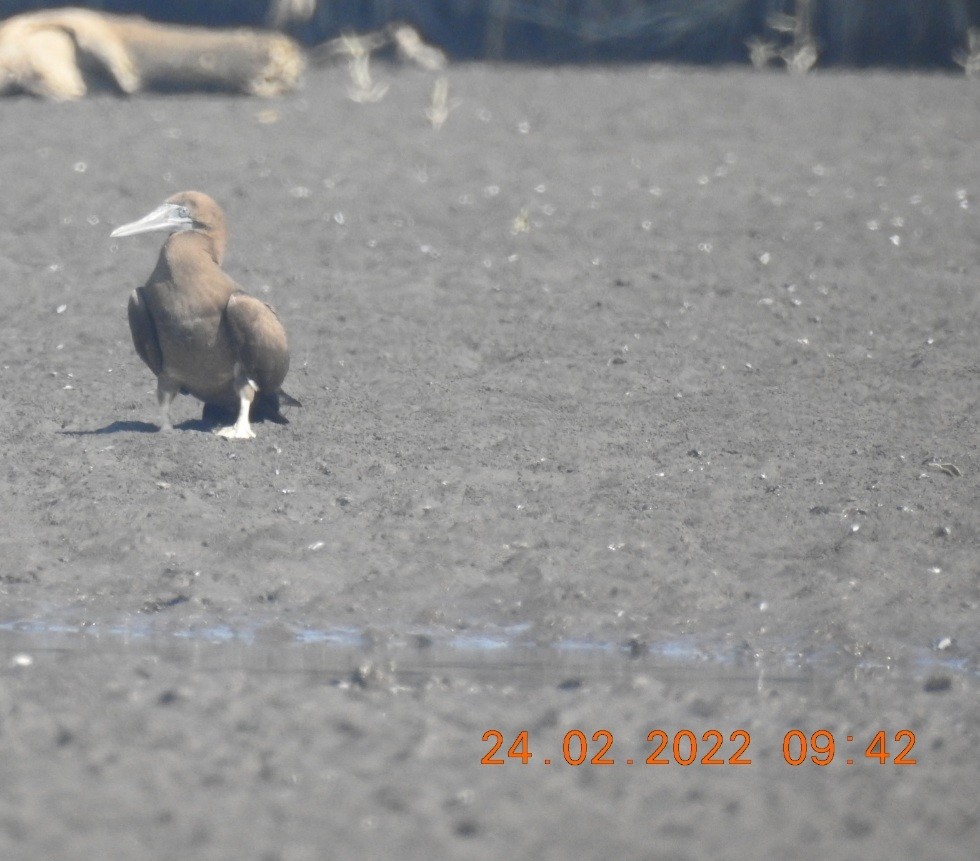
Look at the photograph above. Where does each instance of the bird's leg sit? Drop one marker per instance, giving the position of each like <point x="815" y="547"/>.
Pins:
<point x="166" y="392"/>
<point x="241" y="429"/>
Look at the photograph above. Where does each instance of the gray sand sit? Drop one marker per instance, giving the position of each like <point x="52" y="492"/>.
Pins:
<point x="633" y="400"/>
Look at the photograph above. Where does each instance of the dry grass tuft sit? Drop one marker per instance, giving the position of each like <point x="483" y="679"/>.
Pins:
<point x="970" y="58"/>
<point x="441" y="105"/>
<point x="799" y="51"/>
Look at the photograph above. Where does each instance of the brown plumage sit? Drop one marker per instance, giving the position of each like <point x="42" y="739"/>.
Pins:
<point x="197" y="330"/>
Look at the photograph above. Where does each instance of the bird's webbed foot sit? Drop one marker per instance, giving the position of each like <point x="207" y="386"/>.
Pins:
<point x="236" y="431"/>
<point x="241" y="429"/>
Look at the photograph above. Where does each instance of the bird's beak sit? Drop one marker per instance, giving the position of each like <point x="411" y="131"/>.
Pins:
<point x="167" y="217"/>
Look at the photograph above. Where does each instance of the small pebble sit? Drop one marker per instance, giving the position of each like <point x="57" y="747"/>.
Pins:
<point x="937" y="684"/>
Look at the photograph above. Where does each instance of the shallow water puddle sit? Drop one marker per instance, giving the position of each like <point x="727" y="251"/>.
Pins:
<point x="501" y="656"/>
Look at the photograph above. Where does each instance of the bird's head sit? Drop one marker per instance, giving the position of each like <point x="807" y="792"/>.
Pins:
<point x="187" y="210"/>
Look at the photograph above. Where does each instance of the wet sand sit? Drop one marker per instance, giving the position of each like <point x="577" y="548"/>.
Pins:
<point x="633" y="400"/>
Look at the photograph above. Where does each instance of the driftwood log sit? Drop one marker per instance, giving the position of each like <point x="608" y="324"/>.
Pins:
<point x="59" y="54"/>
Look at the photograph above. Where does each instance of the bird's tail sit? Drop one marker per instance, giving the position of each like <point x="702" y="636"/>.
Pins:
<point x="267" y="405"/>
<point x="288" y="400"/>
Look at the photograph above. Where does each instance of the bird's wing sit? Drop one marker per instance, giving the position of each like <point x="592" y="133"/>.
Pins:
<point x="144" y="333"/>
<point x="259" y="340"/>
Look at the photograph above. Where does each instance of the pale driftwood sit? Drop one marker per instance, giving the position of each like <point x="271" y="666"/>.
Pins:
<point x="56" y="54"/>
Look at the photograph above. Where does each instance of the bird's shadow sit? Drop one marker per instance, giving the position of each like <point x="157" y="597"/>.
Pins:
<point x="142" y="427"/>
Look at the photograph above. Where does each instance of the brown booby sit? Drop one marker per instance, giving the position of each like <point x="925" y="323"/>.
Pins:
<point x="197" y="330"/>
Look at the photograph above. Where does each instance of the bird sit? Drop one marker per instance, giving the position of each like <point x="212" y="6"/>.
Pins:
<point x="198" y="331"/>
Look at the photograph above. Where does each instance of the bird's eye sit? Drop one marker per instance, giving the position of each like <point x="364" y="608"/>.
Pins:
<point x="183" y="212"/>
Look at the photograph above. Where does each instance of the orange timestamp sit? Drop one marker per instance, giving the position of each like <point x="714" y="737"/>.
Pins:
<point x="710" y="747"/>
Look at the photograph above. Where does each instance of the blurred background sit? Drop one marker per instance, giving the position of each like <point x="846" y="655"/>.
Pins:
<point x="890" y="33"/>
